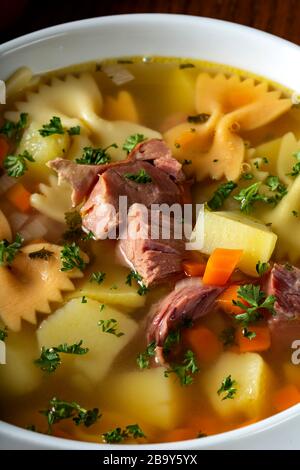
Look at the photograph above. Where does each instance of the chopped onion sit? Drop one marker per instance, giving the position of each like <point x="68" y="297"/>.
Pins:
<point x="6" y="182"/>
<point x="34" y="229"/>
<point x="17" y="220"/>
<point x="118" y="74"/>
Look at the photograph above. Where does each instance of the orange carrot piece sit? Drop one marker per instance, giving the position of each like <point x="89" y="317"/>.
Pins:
<point x="180" y="434"/>
<point x="4" y="148"/>
<point x="261" y="342"/>
<point x="225" y="300"/>
<point x="203" y="342"/>
<point x="286" y="397"/>
<point x="193" y="268"/>
<point x="19" y="197"/>
<point x="221" y="264"/>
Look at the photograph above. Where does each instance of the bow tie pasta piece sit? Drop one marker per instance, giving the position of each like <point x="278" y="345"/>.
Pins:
<point x="122" y="107"/>
<point x="53" y="200"/>
<point x="5" y="230"/>
<point x="31" y="284"/>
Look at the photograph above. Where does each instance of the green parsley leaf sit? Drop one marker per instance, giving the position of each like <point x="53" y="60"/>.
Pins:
<point x="95" y="156"/>
<point x="247" y="176"/>
<point x="84" y="299"/>
<point x="198" y="118"/>
<point x="132" y="141"/>
<point x="8" y="251"/>
<point x="248" y="196"/>
<point x="119" y="435"/>
<point x="143" y="289"/>
<point x="41" y="254"/>
<point x="54" y="127"/>
<point x="71" y="258"/>
<point x="3" y="334"/>
<point x="172" y="339"/>
<point x="277" y="186"/>
<point x="255" y="301"/>
<point x="14" y="130"/>
<point x="49" y="359"/>
<point x="228" y="388"/>
<point x="143" y="359"/>
<point x="110" y="326"/>
<point x="227" y="336"/>
<point x="262" y="268"/>
<point x="185" y="370"/>
<point x="98" y="277"/>
<point x="74" y="130"/>
<point x="60" y="410"/>
<point x="248" y="334"/>
<point x="141" y="177"/>
<point x="222" y="193"/>
<point x="15" y="165"/>
<point x="296" y="167"/>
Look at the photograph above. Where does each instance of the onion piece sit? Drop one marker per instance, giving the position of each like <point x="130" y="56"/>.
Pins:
<point x="34" y="230"/>
<point x="17" y="220"/>
<point x="118" y="74"/>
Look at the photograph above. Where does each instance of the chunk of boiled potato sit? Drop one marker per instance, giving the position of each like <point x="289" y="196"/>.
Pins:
<point x="20" y="375"/>
<point x="43" y="149"/>
<point x="146" y="396"/>
<point x="253" y="382"/>
<point x="77" y="321"/>
<point x="235" y="231"/>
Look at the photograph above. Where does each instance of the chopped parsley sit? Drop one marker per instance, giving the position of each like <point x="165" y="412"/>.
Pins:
<point x="185" y="370"/>
<point x="71" y="258"/>
<point x="198" y="118"/>
<point x="262" y="268"/>
<point x="8" y="251"/>
<point x="132" y="141"/>
<point x="222" y="193"/>
<point x="83" y="299"/>
<point x="247" y="176"/>
<point x="141" y="177"/>
<point x="296" y="168"/>
<point x="118" y="435"/>
<point x="60" y="410"/>
<point x="277" y="186"/>
<point x="227" y="389"/>
<point x="14" y="130"/>
<point x="110" y="326"/>
<point x="255" y="300"/>
<point x="74" y="130"/>
<point x="49" y="359"/>
<point x="16" y="165"/>
<point x="53" y="127"/>
<point x="3" y="334"/>
<point x="95" y="156"/>
<point x="250" y="195"/>
<point x="172" y="339"/>
<point x="227" y="336"/>
<point x="143" y="289"/>
<point x="186" y="66"/>
<point x="248" y="334"/>
<point x="143" y="359"/>
<point x="41" y="254"/>
<point x="98" y="277"/>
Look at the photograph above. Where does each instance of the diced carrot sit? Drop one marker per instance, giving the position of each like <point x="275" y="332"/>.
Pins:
<point x="180" y="434"/>
<point x="286" y="397"/>
<point x="4" y="148"/>
<point x="19" y="197"/>
<point x="261" y="342"/>
<point x="203" y="342"/>
<point x="193" y="268"/>
<point x="221" y="264"/>
<point x="225" y="300"/>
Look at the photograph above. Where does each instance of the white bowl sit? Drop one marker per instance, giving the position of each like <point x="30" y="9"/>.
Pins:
<point x="163" y="35"/>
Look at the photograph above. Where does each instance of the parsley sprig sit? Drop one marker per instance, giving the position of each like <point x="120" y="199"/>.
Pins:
<point x="55" y="127"/>
<point x="16" y="165"/>
<point x="132" y="141"/>
<point x="71" y="258"/>
<point x="143" y="359"/>
<point x="296" y="168"/>
<point x="98" y="277"/>
<point x="50" y="359"/>
<point x="8" y="251"/>
<point x="118" y="435"/>
<point x="227" y="389"/>
<point x="262" y="268"/>
<point x="134" y="275"/>
<point x="95" y="156"/>
<point x="254" y="301"/>
<point x="141" y="177"/>
<point x="222" y="193"/>
<point x="13" y="130"/>
<point x="185" y="370"/>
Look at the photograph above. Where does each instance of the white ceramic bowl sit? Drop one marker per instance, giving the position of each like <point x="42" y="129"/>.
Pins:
<point x="163" y="35"/>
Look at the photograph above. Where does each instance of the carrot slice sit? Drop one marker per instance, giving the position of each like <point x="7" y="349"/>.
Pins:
<point x="4" y="148"/>
<point x="220" y="266"/>
<point x="203" y="342"/>
<point x="19" y="197"/>
<point x="225" y="300"/>
<point x="286" y="397"/>
<point x="261" y="342"/>
<point x="193" y="268"/>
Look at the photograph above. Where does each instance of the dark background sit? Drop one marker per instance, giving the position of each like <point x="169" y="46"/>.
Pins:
<point x="280" y="17"/>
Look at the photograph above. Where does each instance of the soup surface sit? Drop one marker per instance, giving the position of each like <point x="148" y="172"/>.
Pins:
<point x="144" y="340"/>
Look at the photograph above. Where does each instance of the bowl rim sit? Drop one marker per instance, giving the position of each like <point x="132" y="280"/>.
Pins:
<point x="41" y="440"/>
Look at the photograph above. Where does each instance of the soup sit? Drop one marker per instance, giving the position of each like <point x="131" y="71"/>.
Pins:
<point x="140" y="339"/>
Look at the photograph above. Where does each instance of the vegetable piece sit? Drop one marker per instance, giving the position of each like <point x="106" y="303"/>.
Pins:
<point x="8" y="251"/>
<point x="143" y="359"/>
<point x="256" y="300"/>
<point x="143" y="289"/>
<point x="193" y="268"/>
<point x="19" y="196"/>
<point x="122" y="107"/>
<point x="203" y="342"/>
<point x="16" y="165"/>
<point x="95" y="156"/>
<point x="225" y="300"/>
<point x="110" y="326"/>
<point x="5" y="230"/>
<point x="54" y="127"/>
<point x="260" y="342"/>
<point x="49" y="359"/>
<point x="41" y="254"/>
<point x="220" y="266"/>
<point x="227" y="391"/>
<point x="287" y="396"/>
<point x="254" y="380"/>
<point x="119" y="435"/>
<point x="132" y="141"/>
<point x="76" y="320"/>
<point x="185" y="370"/>
<point x="141" y="177"/>
<point x="234" y="231"/>
<point x="4" y="148"/>
<point x="219" y="196"/>
<point x="97" y="277"/>
<point x="13" y="130"/>
<point x="146" y="395"/>
<point x="71" y="258"/>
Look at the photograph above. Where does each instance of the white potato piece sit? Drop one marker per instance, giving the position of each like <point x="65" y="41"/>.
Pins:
<point x="253" y="381"/>
<point x="147" y="396"/>
<point x="235" y="231"/>
<point x="77" y="321"/>
<point x="20" y="375"/>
